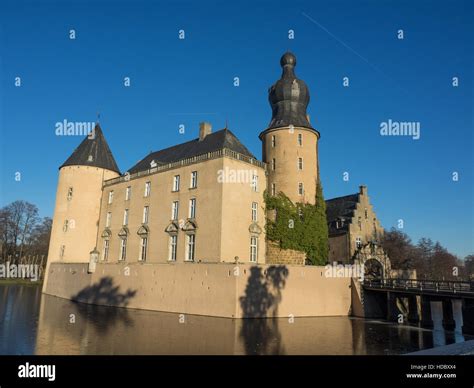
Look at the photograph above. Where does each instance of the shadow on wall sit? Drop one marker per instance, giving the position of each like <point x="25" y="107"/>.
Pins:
<point x="261" y="299"/>
<point x="104" y="293"/>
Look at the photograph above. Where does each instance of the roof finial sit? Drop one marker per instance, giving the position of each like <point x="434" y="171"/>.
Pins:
<point x="98" y="117"/>
<point x="225" y="123"/>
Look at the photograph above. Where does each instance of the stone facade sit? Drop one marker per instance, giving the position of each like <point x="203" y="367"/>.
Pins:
<point x="292" y="159"/>
<point x="352" y="225"/>
<point x="213" y="289"/>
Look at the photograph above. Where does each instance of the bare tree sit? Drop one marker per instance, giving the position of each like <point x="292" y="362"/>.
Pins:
<point x="18" y="221"/>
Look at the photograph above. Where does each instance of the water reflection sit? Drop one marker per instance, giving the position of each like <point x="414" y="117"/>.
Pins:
<point x="31" y="323"/>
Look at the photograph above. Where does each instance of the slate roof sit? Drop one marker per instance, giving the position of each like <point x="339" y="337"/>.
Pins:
<point x="213" y="142"/>
<point x="93" y="152"/>
<point x="340" y="207"/>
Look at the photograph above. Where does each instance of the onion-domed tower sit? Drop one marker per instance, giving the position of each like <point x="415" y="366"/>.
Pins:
<point x="290" y="143"/>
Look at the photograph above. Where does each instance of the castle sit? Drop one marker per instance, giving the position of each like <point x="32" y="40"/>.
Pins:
<point x="201" y="201"/>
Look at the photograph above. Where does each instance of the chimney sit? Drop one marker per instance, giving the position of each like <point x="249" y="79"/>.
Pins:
<point x="363" y="190"/>
<point x="204" y="130"/>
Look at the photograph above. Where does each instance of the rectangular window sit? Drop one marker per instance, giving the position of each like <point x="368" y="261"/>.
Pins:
<point x="300" y="188"/>
<point x="172" y="248"/>
<point x="105" y="252"/>
<point x="273" y="189"/>
<point x="273" y="164"/>
<point x="273" y="141"/>
<point x="147" y="189"/>
<point x="253" y="249"/>
<point x="190" y="247"/>
<point x="254" y="211"/>
<point x="111" y="196"/>
<point x="146" y="211"/>
<point x="358" y="243"/>
<point x="255" y="183"/>
<point x="176" y="183"/>
<point x="192" y="208"/>
<point x="108" y="219"/>
<point x="143" y="247"/>
<point x="125" y="217"/>
<point x="69" y="194"/>
<point x="300" y="139"/>
<point x="123" y="249"/>
<point x="300" y="163"/>
<point x="174" y="210"/>
<point x="66" y="225"/>
<point x="128" y="193"/>
<point x="62" y="248"/>
<point x="194" y="180"/>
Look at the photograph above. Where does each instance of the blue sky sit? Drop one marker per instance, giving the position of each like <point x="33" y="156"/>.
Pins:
<point x="186" y="81"/>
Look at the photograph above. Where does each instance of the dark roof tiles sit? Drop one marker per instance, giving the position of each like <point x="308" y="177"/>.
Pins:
<point x="213" y="142"/>
<point x="340" y="208"/>
<point x="94" y="152"/>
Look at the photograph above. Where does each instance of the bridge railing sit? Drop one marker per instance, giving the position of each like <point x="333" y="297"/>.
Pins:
<point x="427" y="285"/>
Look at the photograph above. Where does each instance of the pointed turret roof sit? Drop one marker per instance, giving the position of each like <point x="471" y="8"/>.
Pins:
<point x="93" y="151"/>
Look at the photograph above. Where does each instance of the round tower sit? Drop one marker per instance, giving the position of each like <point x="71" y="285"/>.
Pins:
<point x="290" y="143"/>
<point x="78" y="198"/>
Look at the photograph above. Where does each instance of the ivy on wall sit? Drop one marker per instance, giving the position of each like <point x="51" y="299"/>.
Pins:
<point x="301" y="226"/>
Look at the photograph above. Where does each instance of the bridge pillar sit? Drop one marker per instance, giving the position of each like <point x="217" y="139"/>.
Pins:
<point x="413" y="316"/>
<point x="468" y="316"/>
<point x="392" y="309"/>
<point x="448" y="320"/>
<point x="426" y="320"/>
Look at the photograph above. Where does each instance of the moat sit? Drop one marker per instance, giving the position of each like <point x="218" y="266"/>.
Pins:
<point x="32" y="323"/>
